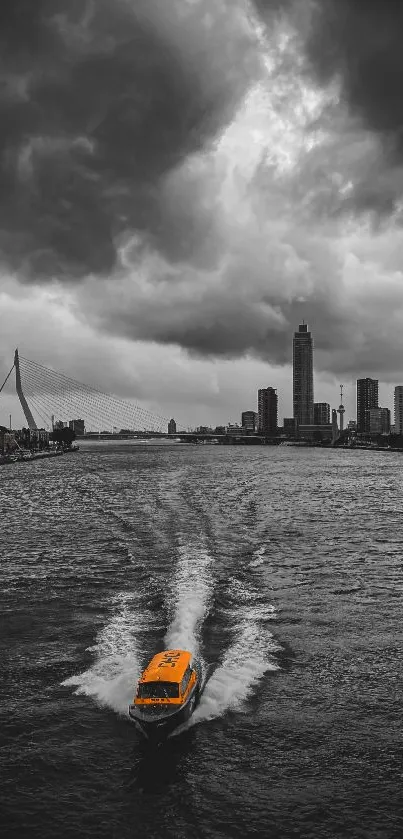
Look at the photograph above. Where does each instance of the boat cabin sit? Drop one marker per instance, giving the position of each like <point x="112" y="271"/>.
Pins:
<point x="168" y="677"/>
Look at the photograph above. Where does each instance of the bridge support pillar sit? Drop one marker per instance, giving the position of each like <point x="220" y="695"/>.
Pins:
<point x="24" y="404"/>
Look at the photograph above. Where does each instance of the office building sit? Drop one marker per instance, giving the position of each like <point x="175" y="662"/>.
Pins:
<point x="78" y="426"/>
<point x="379" y="421"/>
<point x="398" y="410"/>
<point x="172" y="426"/>
<point x="249" y="421"/>
<point x="289" y="426"/>
<point x="367" y="398"/>
<point x="321" y="413"/>
<point x="267" y="410"/>
<point x="302" y="360"/>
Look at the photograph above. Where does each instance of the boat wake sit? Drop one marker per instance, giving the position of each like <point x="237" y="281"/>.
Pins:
<point x="191" y="592"/>
<point x="248" y="658"/>
<point x="117" y="666"/>
<point x="251" y="653"/>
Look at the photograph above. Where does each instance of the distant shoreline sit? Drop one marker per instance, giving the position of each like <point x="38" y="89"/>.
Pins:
<point x="6" y="460"/>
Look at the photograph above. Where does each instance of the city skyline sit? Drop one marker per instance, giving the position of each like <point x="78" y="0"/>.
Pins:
<point x="220" y="415"/>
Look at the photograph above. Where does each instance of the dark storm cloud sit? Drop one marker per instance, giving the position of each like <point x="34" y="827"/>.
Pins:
<point x="361" y="43"/>
<point x="109" y="110"/>
<point x="99" y="100"/>
<point x="358" y="44"/>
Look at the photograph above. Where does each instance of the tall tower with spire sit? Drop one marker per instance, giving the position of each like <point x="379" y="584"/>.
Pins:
<point x="302" y="360"/>
<point x="341" y="410"/>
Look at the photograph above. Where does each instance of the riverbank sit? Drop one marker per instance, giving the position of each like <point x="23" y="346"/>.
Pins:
<point x="30" y="457"/>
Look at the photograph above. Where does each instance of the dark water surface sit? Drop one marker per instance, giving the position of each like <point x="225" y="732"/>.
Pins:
<point x="281" y="567"/>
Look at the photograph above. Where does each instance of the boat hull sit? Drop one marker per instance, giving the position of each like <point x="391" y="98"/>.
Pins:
<point x="158" y="725"/>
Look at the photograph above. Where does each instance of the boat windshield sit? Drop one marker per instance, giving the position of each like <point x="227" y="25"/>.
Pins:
<point x="158" y="690"/>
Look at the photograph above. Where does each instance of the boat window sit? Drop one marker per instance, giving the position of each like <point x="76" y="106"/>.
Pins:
<point x="158" y="690"/>
<point x="185" y="680"/>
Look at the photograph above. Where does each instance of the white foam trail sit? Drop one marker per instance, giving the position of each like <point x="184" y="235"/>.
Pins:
<point x="112" y="678"/>
<point x="244" y="664"/>
<point x="191" y="590"/>
<point x="248" y="658"/>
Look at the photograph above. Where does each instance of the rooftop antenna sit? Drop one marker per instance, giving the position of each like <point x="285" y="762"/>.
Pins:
<point x="341" y="409"/>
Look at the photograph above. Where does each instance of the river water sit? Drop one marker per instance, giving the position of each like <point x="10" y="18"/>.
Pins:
<point x="280" y="567"/>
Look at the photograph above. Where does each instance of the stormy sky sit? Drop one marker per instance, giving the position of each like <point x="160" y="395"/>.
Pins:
<point x="181" y="182"/>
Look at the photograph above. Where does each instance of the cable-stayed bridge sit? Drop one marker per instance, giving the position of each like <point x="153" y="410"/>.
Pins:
<point x="47" y="396"/>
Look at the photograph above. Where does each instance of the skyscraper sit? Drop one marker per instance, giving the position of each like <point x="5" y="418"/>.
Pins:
<point x="367" y="398"/>
<point x="267" y="410"/>
<point x="399" y="409"/>
<point x="302" y="360"/>
<point x="321" y="413"/>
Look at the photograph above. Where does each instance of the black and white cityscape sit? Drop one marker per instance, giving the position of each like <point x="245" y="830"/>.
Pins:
<point x="201" y="419"/>
<point x="317" y="421"/>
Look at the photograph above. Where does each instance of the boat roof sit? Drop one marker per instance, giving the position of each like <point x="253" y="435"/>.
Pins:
<point x="168" y="666"/>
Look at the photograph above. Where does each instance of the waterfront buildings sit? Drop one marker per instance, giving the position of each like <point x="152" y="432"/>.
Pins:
<point x="7" y="440"/>
<point x="367" y="398"/>
<point x="302" y="360"/>
<point x="315" y="433"/>
<point x="379" y="421"/>
<point x="172" y="426"/>
<point x="234" y="430"/>
<point x="289" y="426"/>
<point x="78" y="426"/>
<point x="398" y="409"/>
<point x="249" y="421"/>
<point x="321" y="413"/>
<point x="267" y="403"/>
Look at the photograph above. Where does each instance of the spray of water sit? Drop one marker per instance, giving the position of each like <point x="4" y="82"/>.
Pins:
<point x="248" y="658"/>
<point x="116" y="669"/>
<point x="191" y="591"/>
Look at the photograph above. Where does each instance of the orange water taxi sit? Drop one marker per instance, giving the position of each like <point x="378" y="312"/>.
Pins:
<point x="167" y="693"/>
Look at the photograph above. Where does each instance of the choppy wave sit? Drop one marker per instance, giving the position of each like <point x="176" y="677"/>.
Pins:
<point x="259" y="556"/>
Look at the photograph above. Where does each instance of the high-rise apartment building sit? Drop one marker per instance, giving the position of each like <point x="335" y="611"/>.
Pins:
<point x="399" y="409"/>
<point x="321" y="413"/>
<point x="302" y="360"/>
<point x="267" y="408"/>
<point x="367" y="398"/>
